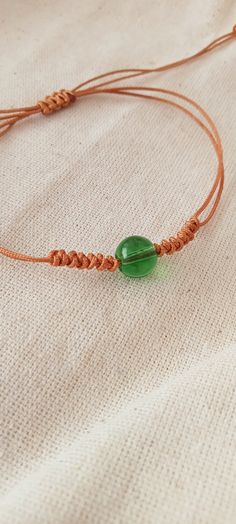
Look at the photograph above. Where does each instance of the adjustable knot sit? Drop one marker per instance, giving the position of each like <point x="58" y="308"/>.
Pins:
<point x="183" y="237"/>
<point x="56" y="101"/>
<point x="82" y="261"/>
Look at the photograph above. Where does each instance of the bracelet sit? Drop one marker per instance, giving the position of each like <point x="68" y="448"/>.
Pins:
<point x="135" y="256"/>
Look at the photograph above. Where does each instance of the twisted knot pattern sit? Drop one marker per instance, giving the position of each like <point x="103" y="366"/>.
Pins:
<point x="56" y="101"/>
<point x="183" y="237"/>
<point x="82" y="261"/>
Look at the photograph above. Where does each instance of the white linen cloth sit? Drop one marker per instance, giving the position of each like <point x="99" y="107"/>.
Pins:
<point x="117" y="395"/>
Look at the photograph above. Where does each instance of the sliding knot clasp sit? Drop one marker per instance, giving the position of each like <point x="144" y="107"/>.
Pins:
<point x="56" y="101"/>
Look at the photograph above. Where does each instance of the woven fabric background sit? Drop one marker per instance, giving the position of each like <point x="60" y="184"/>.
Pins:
<point x="117" y="396"/>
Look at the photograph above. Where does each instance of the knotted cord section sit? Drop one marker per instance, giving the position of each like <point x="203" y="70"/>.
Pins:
<point x="81" y="261"/>
<point x="183" y="237"/>
<point x="56" y="101"/>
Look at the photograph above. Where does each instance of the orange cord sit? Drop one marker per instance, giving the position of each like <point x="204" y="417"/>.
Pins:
<point x="62" y="98"/>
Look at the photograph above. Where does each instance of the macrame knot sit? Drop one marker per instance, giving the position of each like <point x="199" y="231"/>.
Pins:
<point x="183" y="237"/>
<point x="82" y="261"/>
<point x="56" y="101"/>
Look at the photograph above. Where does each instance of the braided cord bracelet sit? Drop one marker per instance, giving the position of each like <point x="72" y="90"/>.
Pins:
<point x="135" y="256"/>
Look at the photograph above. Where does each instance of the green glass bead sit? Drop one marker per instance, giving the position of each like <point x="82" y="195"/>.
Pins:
<point x="137" y="256"/>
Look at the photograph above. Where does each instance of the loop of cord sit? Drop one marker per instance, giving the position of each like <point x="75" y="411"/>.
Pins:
<point x="94" y="86"/>
<point x="183" y="237"/>
<point x="56" y="101"/>
<point x="82" y="261"/>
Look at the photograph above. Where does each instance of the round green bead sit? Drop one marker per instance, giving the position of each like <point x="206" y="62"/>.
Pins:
<point x="137" y="256"/>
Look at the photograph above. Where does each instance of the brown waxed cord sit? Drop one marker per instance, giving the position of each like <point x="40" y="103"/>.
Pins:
<point x="63" y="98"/>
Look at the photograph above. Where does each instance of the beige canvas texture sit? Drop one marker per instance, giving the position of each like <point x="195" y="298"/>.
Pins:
<point x="117" y="395"/>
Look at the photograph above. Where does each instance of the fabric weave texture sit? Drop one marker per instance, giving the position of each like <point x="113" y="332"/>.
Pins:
<point x="117" y="399"/>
